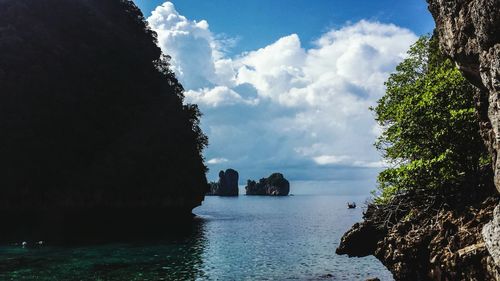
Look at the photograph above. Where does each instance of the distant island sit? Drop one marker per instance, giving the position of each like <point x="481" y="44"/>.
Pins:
<point x="227" y="184"/>
<point x="274" y="185"/>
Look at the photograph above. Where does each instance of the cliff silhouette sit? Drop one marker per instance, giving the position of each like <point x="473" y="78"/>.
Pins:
<point x="93" y="127"/>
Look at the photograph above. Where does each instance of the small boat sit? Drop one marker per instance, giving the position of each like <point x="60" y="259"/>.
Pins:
<point x="351" y="205"/>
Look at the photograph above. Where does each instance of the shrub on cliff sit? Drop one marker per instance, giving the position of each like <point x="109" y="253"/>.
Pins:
<point x="90" y="113"/>
<point x="430" y="128"/>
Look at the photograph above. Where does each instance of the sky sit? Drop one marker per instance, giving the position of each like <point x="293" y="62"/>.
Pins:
<point x="286" y="86"/>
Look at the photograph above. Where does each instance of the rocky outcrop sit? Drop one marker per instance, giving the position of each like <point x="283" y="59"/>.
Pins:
<point x="361" y="240"/>
<point x="469" y="32"/>
<point x="491" y="234"/>
<point x="227" y="184"/>
<point x="446" y="245"/>
<point x="274" y="185"/>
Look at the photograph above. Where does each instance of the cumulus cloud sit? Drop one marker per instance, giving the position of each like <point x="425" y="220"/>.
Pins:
<point x="217" y="96"/>
<point x="189" y="43"/>
<point x="284" y="107"/>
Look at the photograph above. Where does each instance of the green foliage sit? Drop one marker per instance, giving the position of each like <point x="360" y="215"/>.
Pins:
<point x="430" y="128"/>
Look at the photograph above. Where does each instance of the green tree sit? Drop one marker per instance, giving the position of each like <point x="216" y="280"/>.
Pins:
<point x="430" y="129"/>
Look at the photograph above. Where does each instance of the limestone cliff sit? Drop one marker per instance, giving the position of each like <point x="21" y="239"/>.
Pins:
<point x="469" y="32"/>
<point x="94" y="130"/>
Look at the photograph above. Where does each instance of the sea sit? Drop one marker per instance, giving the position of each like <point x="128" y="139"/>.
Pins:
<point x="231" y="238"/>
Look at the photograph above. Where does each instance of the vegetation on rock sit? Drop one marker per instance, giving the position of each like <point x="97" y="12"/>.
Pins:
<point x="425" y="222"/>
<point x="469" y="32"/>
<point x="430" y="128"/>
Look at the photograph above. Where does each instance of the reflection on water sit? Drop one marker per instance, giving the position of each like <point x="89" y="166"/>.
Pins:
<point x="243" y="238"/>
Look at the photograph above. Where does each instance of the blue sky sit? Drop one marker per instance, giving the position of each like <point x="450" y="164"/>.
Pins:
<point x="258" y="23"/>
<point x="286" y="85"/>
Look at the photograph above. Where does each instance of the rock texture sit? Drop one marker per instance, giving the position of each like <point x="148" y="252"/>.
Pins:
<point x="491" y="234"/>
<point x="361" y="240"/>
<point x="274" y="185"/>
<point x="444" y="246"/>
<point x="469" y="32"/>
<point x="227" y="184"/>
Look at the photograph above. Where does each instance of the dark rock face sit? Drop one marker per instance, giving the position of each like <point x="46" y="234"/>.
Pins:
<point x="447" y="246"/>
<point x="274" y="185"/>
<point x="469" y="32"/>
<point x="91" y="117"/>
<point x="491" y="235"/>
<point x="361" y="240"/>
<point x="227" y="184"/>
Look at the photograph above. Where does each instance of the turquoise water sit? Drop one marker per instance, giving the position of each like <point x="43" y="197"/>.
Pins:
<point x="243" y="238"/>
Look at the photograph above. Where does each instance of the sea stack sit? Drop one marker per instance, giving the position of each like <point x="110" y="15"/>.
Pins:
<point x="227" y="184"/>
<point x="274" y="185"/>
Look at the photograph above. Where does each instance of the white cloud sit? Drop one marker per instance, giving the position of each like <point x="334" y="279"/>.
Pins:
<point x="330" y="159"/>
<point x="284" y="105"/>
<point x="217" y="96"/>
<point x="275" y="69"/>
<point x="214" y="161"/>
<point x="190" y="44"/>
